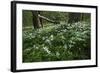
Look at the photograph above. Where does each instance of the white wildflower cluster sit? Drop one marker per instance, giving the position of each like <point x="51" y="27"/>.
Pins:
<point x="47" y="50"/>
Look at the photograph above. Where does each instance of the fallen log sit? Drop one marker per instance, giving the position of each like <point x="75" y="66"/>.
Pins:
<point x="45" y="18"/>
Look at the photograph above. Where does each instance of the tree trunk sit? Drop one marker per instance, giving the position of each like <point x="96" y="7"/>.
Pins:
<point x="74" y="17"/>
<point x="36" y="20"/>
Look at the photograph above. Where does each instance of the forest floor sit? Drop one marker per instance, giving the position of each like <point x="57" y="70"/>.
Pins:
<point x="57" y="42"/>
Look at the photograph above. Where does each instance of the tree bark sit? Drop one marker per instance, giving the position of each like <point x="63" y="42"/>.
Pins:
<point x="49" y="20"/>
<point x="36" y="20"/>
<point x="74" y="17"/>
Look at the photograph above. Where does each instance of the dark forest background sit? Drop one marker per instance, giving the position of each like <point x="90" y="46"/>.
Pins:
<point x="56" y="36"/>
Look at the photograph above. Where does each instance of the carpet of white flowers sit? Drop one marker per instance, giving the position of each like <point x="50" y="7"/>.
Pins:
<point x="57" y="42"/>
